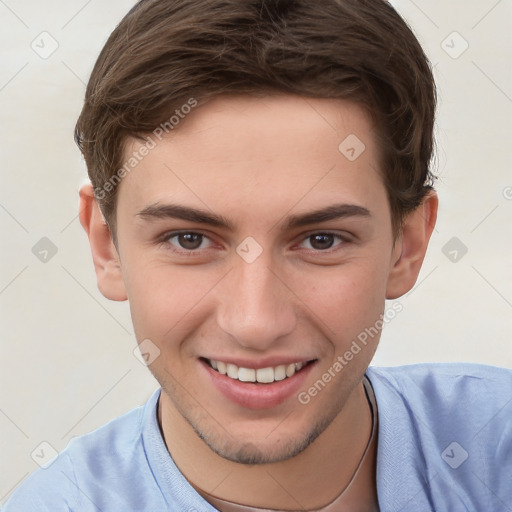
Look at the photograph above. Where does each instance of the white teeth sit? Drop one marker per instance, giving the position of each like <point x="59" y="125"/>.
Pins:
<point x="232" y="370"/>
<point x="280" y="372"/>
<point x="247" y="374"/>
<point x="262" y="375"/>
<point x="221" y="367"/>
<point x="265" y="375"/>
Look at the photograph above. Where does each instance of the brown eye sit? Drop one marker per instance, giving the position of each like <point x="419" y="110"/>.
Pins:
<point x="321" y="241"/>
<point x="186" y="242"/>
<point x="190" y="241"/>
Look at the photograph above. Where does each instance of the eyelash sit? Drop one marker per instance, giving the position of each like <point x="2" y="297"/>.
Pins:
<point x="167" y="237"/>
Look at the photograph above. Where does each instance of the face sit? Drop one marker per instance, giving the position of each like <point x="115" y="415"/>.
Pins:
<point x="250" y="243"/>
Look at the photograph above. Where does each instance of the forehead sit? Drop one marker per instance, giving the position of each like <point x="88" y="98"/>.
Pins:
<point x="246" y="151"/>
<point x="283" y="122"/>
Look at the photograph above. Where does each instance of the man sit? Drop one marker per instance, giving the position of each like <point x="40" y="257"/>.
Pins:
<point x="260" y="185"/>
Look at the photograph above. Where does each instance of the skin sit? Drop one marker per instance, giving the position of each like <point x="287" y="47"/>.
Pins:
<point x="256" y="162"/>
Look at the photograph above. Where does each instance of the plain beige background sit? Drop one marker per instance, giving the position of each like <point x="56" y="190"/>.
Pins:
<point x="67" y="364"/>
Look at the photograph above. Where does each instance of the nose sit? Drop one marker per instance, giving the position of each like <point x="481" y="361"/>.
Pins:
<point x="256" y="307"/>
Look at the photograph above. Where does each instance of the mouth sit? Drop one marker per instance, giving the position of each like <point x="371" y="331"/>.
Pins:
<point x="257" y="388"/>
<point x="267" y="375"/>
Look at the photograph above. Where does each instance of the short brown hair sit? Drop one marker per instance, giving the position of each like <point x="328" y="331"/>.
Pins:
<point x="165" y="52"/>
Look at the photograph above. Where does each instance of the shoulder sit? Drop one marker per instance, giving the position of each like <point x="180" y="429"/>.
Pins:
<point x="450" y="377"/>
<point x="462" y="397"/>
<point x="38" y="491"/>
<point x="67" y="482"/>
<point x="446" y="430"/>
<point x="444" y="385"/>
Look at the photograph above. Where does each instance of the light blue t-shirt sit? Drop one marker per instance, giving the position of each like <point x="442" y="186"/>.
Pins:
<point x="444" y="445"/>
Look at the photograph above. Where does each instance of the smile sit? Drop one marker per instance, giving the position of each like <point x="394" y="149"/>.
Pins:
<point x="260" y="375"/>
<point x="258" y="388"/>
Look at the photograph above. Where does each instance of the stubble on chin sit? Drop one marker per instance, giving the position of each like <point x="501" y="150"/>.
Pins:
<point x="272" y="448"/>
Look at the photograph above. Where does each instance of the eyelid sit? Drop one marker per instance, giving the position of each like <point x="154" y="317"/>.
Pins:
<point x="165" y="239"/>
<point x="344" y="238"/>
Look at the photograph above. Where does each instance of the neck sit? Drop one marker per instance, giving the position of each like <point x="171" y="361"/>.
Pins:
<point x="329" y="463"/>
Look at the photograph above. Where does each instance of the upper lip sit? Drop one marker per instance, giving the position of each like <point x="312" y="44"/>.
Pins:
<point x="267" y="362"/>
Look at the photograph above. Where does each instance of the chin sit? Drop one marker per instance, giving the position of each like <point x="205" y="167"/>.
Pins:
<point x="268" y="450"/>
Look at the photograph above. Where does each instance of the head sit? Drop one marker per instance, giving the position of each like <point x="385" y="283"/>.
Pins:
<point x="212" y="133"/>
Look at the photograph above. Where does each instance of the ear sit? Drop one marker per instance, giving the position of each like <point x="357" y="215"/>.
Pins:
<point x="411" y="246"/>
<point x="104" y="253"/>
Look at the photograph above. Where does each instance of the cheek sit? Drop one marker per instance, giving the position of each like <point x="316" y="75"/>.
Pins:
<point x="169" y="302"/>
<point x="345" y="300"/>
<point x="163" y="299"/>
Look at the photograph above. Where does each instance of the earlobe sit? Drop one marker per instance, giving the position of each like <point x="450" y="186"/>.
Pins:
<point x="411" y="247"/>
<point x="104" y="253"/>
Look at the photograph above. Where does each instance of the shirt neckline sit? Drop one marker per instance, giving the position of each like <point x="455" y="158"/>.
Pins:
<point x="176" y="489"/>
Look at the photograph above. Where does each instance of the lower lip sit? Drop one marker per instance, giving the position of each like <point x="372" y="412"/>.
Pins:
<point x="255" y="395"/>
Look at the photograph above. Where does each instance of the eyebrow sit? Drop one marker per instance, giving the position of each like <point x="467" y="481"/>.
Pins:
<point x="175" y="211"/>
<point x="333" y="212"/>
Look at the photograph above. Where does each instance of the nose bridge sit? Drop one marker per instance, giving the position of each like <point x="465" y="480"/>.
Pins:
<point x="255" y="307"/>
